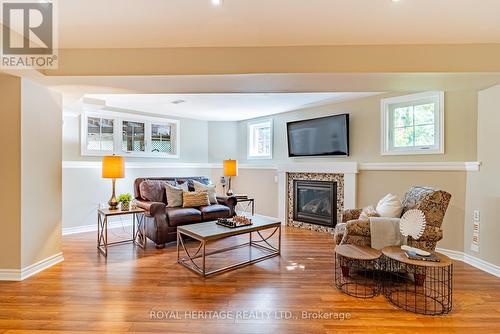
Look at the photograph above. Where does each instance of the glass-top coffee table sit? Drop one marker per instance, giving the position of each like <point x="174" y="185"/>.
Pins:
<point x="205" y="233"/>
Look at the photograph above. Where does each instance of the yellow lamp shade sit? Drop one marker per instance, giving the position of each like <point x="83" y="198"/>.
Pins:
<point x="230" y="168"/>
<point x="113" y="167"/>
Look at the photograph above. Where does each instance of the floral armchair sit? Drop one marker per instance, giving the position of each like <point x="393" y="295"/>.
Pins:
<point x="431" y="201"/>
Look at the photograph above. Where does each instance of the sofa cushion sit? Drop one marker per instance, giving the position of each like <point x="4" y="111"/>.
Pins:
<point x="183" y="216"/>
<point x="152" y="190"/>
<point x="212" y="212"/>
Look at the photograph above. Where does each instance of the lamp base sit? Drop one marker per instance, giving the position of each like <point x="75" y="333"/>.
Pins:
<point x="113" y="202"/>
<point x="229" y="191"/>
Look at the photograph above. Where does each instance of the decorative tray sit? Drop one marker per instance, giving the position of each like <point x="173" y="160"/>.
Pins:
<point x="237" y="221"/>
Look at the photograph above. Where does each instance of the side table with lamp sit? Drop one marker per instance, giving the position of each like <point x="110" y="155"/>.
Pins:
<point x="113" y="167"/>
<point x="230" y="169"/>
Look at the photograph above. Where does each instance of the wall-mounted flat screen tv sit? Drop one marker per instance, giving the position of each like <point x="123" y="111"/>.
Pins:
<point x="319" y="136"/>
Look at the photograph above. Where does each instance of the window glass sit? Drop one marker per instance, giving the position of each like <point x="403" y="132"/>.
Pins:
<point x="161" y="138"/>
<point x="100" y="134"/>
<point x="133" y="136"/>
<point x="260" y="140"/>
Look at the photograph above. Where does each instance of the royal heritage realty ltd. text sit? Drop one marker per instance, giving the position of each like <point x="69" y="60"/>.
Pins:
<point x="169" y="315"/>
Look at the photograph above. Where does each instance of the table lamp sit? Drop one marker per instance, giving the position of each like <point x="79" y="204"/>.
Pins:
<point x="230" y="169"/>
<point x="113" y="167"/>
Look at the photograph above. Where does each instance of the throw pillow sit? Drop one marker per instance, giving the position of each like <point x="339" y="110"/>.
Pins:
<point x="193" y="199"/>
<point x="210" y="189"/>
<point x="368" y="212"/>
<point x="389" y="206"/>
<point x="152" y="190"/>
<point x="184" y="186"/>
<point x="174" y="196"/>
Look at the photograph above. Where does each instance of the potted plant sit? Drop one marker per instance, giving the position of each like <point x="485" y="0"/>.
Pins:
<point x="125" y="200"/>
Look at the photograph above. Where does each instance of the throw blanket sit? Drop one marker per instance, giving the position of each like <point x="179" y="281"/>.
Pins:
<point x="385" y="232"/>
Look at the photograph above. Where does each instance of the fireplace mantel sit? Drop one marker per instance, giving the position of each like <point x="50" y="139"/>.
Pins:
<point x="322" y="167"/>
<point x="348" y="169"/>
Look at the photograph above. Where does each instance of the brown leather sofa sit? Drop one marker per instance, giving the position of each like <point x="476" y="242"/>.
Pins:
<point x="161" y="221"/>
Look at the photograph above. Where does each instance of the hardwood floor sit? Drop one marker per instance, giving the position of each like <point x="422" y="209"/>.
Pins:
<point x="89" y="293"/>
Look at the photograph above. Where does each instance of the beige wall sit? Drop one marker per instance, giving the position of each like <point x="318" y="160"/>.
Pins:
<point x="41" y="143"/>
<point x="10" y="169"/>
<point x="298" y="59"/>
<point x="259" y="184"/>
<point x="365" y="131"/>
<point x="483" y="188"/>
<point x="373" y="185"/>
<point x="31" y="169"/>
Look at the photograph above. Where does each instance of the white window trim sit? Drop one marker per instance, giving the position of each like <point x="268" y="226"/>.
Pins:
<point x="255" y="123"/>
<point x="420" y="150"/>
<point x="118" y="118"/>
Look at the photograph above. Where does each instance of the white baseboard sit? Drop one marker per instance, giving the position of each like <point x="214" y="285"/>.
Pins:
<point x="21" y="274"/>
<point x="471" y="260"/>
<point x="93" y="227"/>
<point x="10" y="275"/>
<point x="41" y="265"/>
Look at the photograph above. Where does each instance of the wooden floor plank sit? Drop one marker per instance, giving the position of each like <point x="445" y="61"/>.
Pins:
<point x="88" y="293"/>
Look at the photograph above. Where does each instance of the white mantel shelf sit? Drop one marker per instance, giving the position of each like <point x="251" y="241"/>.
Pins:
<point x="325" y="167"/>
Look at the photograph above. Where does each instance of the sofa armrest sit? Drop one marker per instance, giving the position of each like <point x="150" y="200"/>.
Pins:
<point x="229" y="201"/>
<point x="152" y="208"/>
<point x="350" y="214"/>
<point x="358" y="227"/>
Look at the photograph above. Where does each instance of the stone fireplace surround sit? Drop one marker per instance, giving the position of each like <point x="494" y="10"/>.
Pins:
<point x="337" y="178"/>
<point x="343" y="173"/>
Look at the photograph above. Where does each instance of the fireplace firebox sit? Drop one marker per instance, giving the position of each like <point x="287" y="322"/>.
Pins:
<point x="315" y="202"/>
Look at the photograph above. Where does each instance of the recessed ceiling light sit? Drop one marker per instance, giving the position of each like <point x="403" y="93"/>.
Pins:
<point x="178" y="101"/>
<point x="216" y="2"/>
<point x="395" y="0"/>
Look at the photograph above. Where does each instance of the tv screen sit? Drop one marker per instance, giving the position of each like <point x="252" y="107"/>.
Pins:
<point x="319" y="136"/>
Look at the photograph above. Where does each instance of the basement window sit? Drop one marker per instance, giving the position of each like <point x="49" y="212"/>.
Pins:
<point x="413" y="124"/>
<point x="106" y="133"/>
<point x="260" y="140"/>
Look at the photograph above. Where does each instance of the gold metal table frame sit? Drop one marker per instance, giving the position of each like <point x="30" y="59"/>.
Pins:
<point x="262" y="243"/>
<point x="138" y="229"/>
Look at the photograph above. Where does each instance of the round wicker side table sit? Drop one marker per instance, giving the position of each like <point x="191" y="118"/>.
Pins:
<point x="422" y="287"/>
<point x="357" y="270"/>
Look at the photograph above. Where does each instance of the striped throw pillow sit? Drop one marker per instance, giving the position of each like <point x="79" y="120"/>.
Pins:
<point x="193" y="199"/>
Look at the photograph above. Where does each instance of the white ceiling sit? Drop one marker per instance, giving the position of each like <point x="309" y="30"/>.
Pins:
<point x="195" y="23"/>
<point x="219" y="107"/>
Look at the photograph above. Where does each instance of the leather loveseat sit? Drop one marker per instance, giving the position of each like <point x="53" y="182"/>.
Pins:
<point x="162" y="221"/>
